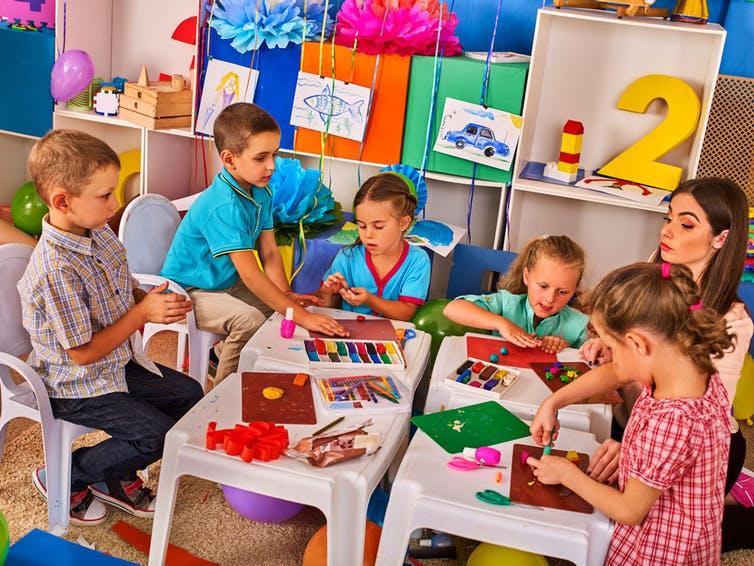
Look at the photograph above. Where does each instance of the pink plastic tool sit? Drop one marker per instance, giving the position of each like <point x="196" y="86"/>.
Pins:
<point x="485" y="455"/>
<point x="287" y="326"/>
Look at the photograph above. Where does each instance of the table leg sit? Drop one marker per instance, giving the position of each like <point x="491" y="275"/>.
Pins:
<point x="346" y="523"/>
<point x="167" y="489"/>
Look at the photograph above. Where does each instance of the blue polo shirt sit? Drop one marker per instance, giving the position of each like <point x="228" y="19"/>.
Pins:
<point x="408" y="281"/>
<point x="224" y="219"/>
<point x="569" y="324"/>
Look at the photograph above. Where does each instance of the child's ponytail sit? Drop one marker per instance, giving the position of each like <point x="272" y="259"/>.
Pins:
<point x="559" y="248"/>
<point x="665" y="300"/>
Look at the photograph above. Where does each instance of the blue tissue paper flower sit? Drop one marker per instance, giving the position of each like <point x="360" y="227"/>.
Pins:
<point x="276" y="24"/>
<point x="298" y="195"/>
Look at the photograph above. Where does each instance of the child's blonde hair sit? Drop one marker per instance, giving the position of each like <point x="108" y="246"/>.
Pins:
<point x="67" y="159"/>
<point x="664" y="300"/>
<point x="559" y="248"/>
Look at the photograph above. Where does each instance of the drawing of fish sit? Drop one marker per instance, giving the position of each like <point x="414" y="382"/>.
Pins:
<point x="327" y="104"/>
<point x="481" y="113"/>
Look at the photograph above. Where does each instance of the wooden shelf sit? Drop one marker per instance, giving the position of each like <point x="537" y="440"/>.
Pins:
<point x="92" y="116"/>
<point x="18" y="135"/>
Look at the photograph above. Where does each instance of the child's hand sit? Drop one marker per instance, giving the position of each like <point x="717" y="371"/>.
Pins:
<point x="516" y="334"/>
<point x="553" y="344"/>
<point x="164" y="308"/>
<point x="551" y="470"/>
<point x="334" y="283"/>
<point x="322" y="323"/>
<point x="594" y="351"/>
<point x="603" y="466"/>
<point x="355" y="296"/>
<point x="544" y="427"/>
<point x="304" y="300"/>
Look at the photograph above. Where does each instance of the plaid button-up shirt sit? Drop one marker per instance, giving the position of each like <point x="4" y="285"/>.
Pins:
<point x="73" y="287"/>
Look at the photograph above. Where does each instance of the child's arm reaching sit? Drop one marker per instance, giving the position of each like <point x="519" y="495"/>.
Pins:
<point x="269" y="293"/>
<point x="467" y="313"/>
<point x="329" y="292"/>
<point x="601" y="379"/>
<point x="397" y="310"/>
<point x="269" y="255"/>
<point x="629" y="507"/>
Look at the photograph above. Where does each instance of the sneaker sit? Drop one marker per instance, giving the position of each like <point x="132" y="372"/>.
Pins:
<point x="130" y="496"/>
<point x="85" y="510"/>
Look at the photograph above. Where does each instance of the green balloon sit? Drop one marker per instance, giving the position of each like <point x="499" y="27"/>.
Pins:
<point x="4" y="539"/>
<point x="430" y="319"/>
<point x="27" y="209"/>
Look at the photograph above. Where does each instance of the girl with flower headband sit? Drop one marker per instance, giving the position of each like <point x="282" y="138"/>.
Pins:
<point x="531" y="308"/>
<point x="669" y="503"/>
<point x="382" y="274"/>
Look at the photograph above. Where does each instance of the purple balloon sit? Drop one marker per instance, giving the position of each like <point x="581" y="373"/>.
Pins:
<point x="71" y="74"/>
<point x="260" y="508"/>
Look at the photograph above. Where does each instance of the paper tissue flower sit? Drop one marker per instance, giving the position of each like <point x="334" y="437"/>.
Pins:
<point x="405" y="27"/>
<point x="276" y="24"/>
<point x="299" y="196"/>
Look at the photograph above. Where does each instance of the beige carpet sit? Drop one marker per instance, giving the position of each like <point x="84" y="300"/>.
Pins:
<point x="202" y="523"/>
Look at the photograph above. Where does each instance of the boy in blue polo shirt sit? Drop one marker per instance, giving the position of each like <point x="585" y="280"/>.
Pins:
<point x="211" y="254"/>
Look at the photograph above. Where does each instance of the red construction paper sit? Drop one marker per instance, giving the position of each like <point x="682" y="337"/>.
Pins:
<point x="296" y="406"/>
<point x="176" y="556"/>
<point x="482" y="347"/>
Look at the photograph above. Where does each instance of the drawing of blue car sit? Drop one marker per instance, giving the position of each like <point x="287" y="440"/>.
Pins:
<point x="480" y="137"/>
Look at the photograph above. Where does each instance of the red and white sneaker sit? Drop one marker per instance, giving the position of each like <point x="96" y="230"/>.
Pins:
<point x="85" y="510"/>
<point x="129" y="496"/>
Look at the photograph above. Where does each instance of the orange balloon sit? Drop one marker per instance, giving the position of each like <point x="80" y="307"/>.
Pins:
<point x="316" y="549"/>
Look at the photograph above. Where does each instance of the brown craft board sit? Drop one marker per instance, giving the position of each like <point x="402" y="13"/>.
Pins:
<point x="539" y="494"/>
<point x="364" y="329"/>
<point x="555" y="384"/>
<point x="296" y="406"/>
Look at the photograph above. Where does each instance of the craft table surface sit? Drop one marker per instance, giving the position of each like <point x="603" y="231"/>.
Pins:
<point x="442" y="498"/>
<point x="268" y="351"/>
<point x="285" y="478"/>
<point x="522" y="399"/>
<point x="341" y="491"/>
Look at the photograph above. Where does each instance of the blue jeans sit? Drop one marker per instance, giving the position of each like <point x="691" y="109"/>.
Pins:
<point x="137" y="422"/>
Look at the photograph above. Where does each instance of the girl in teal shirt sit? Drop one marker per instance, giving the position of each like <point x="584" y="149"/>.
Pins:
<point x="531" y="308"/>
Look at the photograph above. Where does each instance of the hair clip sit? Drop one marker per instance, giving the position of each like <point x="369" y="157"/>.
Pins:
<point x="665" y="270"/>
<point x="696" y="306"/>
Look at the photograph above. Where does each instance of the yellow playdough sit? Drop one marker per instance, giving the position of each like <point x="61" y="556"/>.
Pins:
<point x="272" y="392"/>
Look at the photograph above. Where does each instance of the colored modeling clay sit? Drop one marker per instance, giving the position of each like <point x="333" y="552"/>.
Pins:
<point x="272" y="393"/>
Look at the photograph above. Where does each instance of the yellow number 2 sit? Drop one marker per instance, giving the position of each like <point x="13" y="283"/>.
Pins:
<point x="638" y="162"/>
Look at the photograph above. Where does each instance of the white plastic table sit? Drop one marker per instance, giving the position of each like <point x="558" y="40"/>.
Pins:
<point x="341" y="492"/>
<point x="522" y="399"/>
<point x="428" y="494"/>
<point x="268" y="351"/>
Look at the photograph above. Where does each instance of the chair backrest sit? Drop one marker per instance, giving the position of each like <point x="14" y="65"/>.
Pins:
<point x="470" y="264"/>
<point x="147" y="228"/>
<point x="14" y="339"/>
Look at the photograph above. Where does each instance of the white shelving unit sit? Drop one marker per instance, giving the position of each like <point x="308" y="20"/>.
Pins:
<point x="582" y="61"/>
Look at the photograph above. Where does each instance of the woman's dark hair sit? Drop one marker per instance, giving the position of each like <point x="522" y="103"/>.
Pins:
<point x="726" y="208"/>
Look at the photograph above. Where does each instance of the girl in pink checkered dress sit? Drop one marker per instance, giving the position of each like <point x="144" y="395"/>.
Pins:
<point x="671" y="477"/>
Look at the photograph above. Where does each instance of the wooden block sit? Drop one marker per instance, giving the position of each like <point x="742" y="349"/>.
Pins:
<point x="570" y="168"/>
<point x="571" y="143"/>
<point x="159" y="110"/>
<point x="155" y="123"/>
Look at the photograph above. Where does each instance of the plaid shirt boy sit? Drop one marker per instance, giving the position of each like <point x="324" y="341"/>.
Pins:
<point x="73" y="287"/>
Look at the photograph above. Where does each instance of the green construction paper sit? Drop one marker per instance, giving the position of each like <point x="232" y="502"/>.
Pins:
<point x="484" y="424"/>
<point x="460" y="78"/>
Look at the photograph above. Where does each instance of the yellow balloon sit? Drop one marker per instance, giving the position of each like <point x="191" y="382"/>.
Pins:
<point x="743" y="403"/>
<point x="493" y="555"/>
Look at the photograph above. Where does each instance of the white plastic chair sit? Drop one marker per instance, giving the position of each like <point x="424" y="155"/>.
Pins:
<point x="147" y="228"/>
<point x="29" y="399"/>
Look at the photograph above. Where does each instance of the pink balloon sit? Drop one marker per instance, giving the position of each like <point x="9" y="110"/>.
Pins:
<point x="71" y="74"/>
